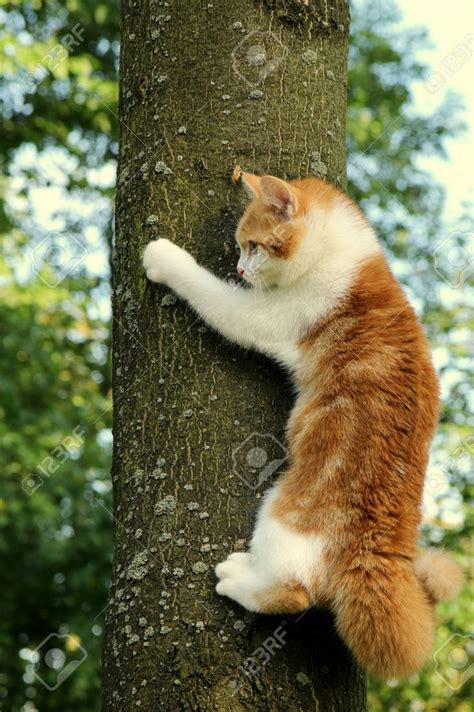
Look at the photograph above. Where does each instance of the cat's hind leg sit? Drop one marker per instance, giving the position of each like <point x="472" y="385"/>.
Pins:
<point x="240" y="579"/>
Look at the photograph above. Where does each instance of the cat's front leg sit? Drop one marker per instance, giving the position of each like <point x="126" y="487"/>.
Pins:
<point x="213" y="299"/>
<point x="246" y="317"/>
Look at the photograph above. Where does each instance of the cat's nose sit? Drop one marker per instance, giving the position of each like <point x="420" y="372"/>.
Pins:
<point x="241" y="271"/>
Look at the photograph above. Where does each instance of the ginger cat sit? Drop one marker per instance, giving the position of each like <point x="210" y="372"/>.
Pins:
<point x="339" y="528"/>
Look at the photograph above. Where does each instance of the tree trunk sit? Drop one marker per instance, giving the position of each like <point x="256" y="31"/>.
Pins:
<point x="205" y="86"/>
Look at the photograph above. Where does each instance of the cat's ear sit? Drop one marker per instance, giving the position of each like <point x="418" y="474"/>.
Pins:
<point x="279" y="195"/>
<point x="251" y="184"/>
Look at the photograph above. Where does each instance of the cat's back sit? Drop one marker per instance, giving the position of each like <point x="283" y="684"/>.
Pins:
<point x="366" y="412"/>
<point x="373" y="328"/>
<point x="372" y="353"/>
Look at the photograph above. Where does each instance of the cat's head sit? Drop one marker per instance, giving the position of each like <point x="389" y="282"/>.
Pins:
<point x="293" y="228"/>
<point x="270" y="231"/>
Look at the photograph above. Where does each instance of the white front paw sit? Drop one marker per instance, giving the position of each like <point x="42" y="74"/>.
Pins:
<point x="162" y="260"/>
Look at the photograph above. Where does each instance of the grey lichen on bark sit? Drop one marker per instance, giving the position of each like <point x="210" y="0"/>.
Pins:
<point x="204" y="86"/>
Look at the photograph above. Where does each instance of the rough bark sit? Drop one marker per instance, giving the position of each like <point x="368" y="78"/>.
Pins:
<point x="184" y="399"/>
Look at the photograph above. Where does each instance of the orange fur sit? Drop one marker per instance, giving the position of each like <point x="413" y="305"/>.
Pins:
<point x="339" y="528"/>
<point x="359" y="439"/>
<point x="262" y="224"/>
<point x="262" y="221"/>
<point x="359" y="449"/>
<point x="289" y="598"/>
<point x="359" y="452"/>
<point x="440" y="577"/>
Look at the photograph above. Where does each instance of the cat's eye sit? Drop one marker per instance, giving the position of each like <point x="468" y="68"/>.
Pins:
<point x="237" y="248"/>
<point x="253" y="247"/>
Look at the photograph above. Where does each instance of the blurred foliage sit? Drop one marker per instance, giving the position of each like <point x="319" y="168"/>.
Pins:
<point x="57" y="154"/>
<point x="58" y="144"/>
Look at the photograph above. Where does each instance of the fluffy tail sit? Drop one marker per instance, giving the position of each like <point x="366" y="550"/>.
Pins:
<point x="384" y="609"/>
<point x="439" y="575"/>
